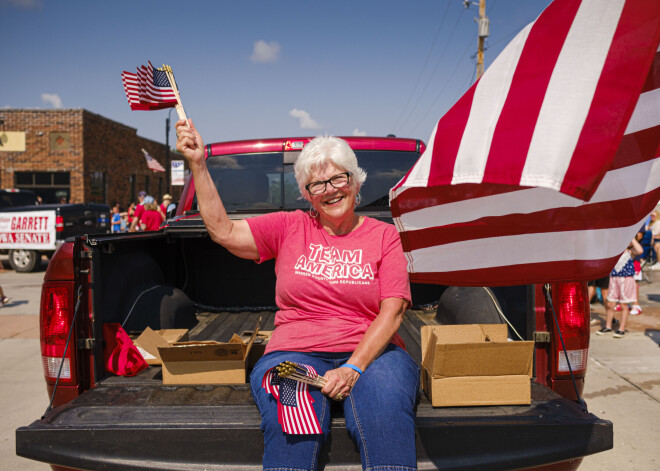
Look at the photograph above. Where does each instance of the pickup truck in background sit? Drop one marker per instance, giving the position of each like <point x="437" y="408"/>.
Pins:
<point x="28" y="231"/>
<point x="178" y="278"/>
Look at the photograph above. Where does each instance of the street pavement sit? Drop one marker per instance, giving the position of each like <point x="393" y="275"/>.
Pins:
<point x="23" y="396"/>
<point x="622" y="385"/>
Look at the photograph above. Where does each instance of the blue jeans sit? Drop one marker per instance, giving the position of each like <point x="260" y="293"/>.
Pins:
<point x="379" y="412"/>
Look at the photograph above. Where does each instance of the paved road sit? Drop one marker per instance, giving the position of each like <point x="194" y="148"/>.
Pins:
<point x="23" y="395"/>
<point x="623" y="382"/>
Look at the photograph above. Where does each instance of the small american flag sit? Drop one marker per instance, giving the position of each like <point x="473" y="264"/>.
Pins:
<point x="132" y="90"/>
<point x="152" y="163"/>
<point x="545" y="169"/>
<point x="295" y="412"/>
<point x="148" y="89"/>
<point x="154" y="86"/>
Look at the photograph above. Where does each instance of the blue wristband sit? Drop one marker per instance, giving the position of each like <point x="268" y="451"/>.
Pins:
<point x="353" y="367"/>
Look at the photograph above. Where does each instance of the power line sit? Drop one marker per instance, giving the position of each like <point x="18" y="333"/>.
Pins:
<point x="428" y="81"/>
<point x="419" y="77"/>
<point x="442" y="89"/>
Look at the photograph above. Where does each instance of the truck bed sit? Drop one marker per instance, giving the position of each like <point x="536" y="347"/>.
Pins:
<point x="202" y="427"/>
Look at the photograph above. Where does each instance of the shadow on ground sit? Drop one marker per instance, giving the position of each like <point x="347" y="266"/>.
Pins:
<point x="654" y="335"/>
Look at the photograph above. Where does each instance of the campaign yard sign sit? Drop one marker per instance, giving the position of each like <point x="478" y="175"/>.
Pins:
<point x="178" y="177"/>
<point x="34" y="230"/>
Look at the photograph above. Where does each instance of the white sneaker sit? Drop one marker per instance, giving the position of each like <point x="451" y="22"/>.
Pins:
<point x="655" y="266"/>
<point x="636" y="310"/>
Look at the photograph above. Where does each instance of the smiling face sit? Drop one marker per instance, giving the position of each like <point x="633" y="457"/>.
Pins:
<point x="334" y="205"/>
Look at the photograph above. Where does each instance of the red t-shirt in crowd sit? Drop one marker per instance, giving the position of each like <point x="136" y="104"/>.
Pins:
<point x="152" y="219"/>
<point x="139" y="210"/>
<point x="329" y="287"/>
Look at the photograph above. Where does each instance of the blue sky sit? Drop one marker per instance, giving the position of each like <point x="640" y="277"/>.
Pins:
<point x="256" y="68"/>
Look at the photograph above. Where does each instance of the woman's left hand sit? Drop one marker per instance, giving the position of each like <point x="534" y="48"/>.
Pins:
<point x="339" y="383"/>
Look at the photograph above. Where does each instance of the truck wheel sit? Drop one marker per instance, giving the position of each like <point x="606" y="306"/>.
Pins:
<point x="24" y="261"/>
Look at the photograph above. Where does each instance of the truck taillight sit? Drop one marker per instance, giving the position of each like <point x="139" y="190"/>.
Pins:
<point x="572" y="306"/>
<point x="59" y="223"/>
<point x="55" y="321"/>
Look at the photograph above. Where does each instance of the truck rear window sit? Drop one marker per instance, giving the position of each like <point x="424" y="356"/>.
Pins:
<point x="251" y="182"/>
<point x="23" y="198"/>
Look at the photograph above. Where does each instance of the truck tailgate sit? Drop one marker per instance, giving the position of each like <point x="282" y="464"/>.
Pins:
<point x="129" y="424"/>
<point x="217" y="427"/>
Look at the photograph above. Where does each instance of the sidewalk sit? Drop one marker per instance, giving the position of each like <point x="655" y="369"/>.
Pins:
<point x="623" y="385"/>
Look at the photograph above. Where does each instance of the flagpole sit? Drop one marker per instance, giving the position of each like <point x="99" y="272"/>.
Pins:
<point x="179" y="107"/>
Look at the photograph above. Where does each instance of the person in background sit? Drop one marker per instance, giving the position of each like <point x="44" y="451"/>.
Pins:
<point x="116" y="218"/>
<point x="139" y="209"/>
<point x="622" y="290"/>
<point x="151" y="219"/>
<point x="130" y="212"/>
<point x="603" y="284"/>
<point x="654" y="226"/>
<point x="167" y="200"/>
<point x="3" y="299"/>
<point x="124" y="224"/>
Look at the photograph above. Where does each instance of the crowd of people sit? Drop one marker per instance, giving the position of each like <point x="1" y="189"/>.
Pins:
<point x="146" y="215"/>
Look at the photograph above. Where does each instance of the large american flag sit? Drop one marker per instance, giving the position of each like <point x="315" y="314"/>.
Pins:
<point x="152" y="163"/>
<point x="295" y="412"/>
<point x="148" y="89"/>
<point x="545" y="169"/>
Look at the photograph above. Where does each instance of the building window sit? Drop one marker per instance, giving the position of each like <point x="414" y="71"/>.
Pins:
<point x="132" y="181"/>
<point x="53" y="187"/>
<point x="97" y="187"/>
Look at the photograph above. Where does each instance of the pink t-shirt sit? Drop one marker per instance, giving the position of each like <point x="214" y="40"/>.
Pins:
<point x="329" y="287"/>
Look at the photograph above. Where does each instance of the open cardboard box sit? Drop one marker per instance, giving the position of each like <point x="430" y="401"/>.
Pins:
<point x="206" y="362"/>
<point x="466" y="365"/>
<point x="149" y="341"/>
<point x="258" y="346"/>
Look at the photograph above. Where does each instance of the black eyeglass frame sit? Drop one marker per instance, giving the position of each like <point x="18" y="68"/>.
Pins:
<point x="329" y="180"/>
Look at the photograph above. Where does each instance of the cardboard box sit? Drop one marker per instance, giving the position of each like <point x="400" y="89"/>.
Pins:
<point x="149" y="341"/>
<point x="206" y="362"/>
<point x="258" y="347"/>
<point x="477" y="390"/>
<point x="465" y="365"/>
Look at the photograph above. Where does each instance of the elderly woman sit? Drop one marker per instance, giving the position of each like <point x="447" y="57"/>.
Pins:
<point x="342" y="289"/>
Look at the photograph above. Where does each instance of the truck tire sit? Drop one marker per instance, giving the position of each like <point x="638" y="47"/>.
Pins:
<point x="24" y="261"/>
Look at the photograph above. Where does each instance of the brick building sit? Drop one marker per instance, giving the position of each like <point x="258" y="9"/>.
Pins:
<point x="78" y="155"/>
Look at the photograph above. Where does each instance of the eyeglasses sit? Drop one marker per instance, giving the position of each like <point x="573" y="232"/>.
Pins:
<point x="338" y="181"/>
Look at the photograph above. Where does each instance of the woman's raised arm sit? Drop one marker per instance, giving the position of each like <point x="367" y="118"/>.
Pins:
<point x="235" y="236"/>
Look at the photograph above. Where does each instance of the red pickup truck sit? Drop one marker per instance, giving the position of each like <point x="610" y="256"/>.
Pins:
<point x="177" y="277"/>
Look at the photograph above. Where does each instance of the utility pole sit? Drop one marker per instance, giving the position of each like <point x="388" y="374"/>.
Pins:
<point x="483" y="28"/>
<point x="168" y="183"/>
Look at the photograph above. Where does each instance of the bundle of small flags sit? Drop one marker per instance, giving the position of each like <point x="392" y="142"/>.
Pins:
<point x="149" y="88"/>
<point x="288" y="383"/>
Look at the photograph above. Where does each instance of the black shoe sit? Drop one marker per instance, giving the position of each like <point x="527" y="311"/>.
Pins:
<point x="619" y="333"/>
<point x="603" y="331"/>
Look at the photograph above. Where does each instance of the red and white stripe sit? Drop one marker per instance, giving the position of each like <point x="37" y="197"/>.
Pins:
<point x="497" y="197"/>
<point x="149" y="92"/>
<point x="300" y="420"/>
<point x="132" y="90"/>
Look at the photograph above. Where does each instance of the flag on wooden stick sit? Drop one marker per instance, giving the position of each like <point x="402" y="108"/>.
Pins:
<point x="152" y="89"/>
<point x="295" y="410"/>
<point x="545" y="169"/>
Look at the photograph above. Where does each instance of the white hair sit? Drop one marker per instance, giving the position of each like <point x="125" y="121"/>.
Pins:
<point x="321" y="151"/>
